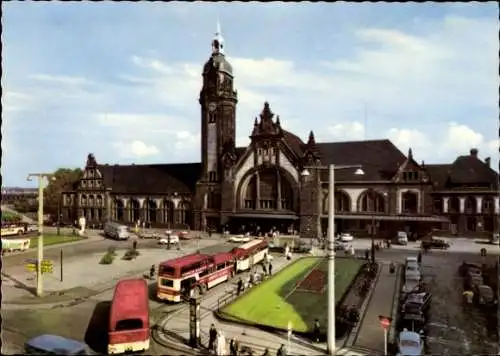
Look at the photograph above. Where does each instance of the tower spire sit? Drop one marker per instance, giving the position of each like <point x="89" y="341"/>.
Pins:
<point x="218" y="41"/>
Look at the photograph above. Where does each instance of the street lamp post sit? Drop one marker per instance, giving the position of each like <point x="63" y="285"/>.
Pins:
<point x="41" y="178"/>
<point x="331" y="248"/>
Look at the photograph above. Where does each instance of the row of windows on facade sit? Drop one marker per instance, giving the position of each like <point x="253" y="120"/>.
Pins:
<point x="267" y="204"/>
<point x="151" y="215"/>
<point x="411" y="175"/>
<point x="470" y="205"/>
<point x="91" y="183"/>
<point x="99" y="201"/>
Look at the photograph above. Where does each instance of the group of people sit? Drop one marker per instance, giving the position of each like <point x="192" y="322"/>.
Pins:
<point x="217" y="344"/>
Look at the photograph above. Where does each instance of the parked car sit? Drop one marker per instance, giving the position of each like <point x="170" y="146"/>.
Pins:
<point x="240" y="238"/>
<point x="346" y="237"/>
<point x="54" y="345"/>
<point x="435" y="243"/>
<point x="174" y="239"/>
<point x="472" y="280"/>
<point x="465" y="267"/>
<point x="483" y="294"/>
<point x="401" y="238"/>
<point x="414" y="302"/>
<point x="410" y="343"/>
<point x="413" y="321"/>
<point x="340" y="246"/>
<point x="412" y="273"/>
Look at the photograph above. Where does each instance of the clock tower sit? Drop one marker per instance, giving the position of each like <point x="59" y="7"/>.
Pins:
<point x="218" y="114"/>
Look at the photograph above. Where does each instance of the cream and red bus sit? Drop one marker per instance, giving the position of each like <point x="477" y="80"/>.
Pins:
<point x="192" y="275"/>
<point x="249" y="254"/>
<point x="129" y="317"/>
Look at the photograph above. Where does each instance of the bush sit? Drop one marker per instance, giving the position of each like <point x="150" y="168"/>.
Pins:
<point x="107" y="259"/>
<point x="130" y="254"/>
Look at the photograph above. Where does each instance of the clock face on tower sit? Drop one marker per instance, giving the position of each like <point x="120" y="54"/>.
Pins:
<point x="212" y="106"/>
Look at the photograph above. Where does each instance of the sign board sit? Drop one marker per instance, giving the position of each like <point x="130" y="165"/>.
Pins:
<point x="385" y="321"/>
<point x="47" y="266"/>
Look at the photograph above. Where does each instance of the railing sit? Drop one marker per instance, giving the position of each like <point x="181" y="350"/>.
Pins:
<point x="225" y="299"/>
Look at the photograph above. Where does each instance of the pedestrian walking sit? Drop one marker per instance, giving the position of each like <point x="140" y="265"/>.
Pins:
<point x="212" y="337"/>
<point x="316" y="330"/>
<point x="270" y="269"/>
<point x="281" y="351"/>
<point x="367" y="254"/>
<point x="234" y="347"/>
<point x="134" y="245"/>
<point x="152" y="272"/>
<point x="419" y="257"/>
<point x="239" y="287"/>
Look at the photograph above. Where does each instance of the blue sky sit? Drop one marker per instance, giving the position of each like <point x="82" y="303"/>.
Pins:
<point x="121" y="80"/>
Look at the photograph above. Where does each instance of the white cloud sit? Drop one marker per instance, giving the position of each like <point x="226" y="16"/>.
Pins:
<point x="187" y="141"/>
<point x="135" y="149"/>
<point x="414" y="82"/>
<point x="410" y="138"/>
<point x="462" y="138"/>
<point x="455" y="141"/>
<point x="347" y="131"/>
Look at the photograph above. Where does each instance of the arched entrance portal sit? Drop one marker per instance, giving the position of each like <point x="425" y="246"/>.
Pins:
<point x="266" y="200"/>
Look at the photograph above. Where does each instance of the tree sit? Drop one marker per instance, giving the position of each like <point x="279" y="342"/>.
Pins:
<point x="65" y="180"/>
<point x="11" y="218"/>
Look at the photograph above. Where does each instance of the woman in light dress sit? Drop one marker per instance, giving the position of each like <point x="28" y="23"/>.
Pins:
<point x="220" y="345"/>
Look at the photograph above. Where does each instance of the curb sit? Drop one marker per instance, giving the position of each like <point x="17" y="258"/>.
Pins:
<point x="353" y="335"/>
<point x="391" y="337"/>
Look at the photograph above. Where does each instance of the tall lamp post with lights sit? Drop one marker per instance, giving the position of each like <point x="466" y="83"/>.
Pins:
<point x="331" y="245"/>
<point x="41" y="186"/>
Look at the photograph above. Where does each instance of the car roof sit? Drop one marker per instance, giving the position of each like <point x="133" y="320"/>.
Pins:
<point x="56" y="343"/>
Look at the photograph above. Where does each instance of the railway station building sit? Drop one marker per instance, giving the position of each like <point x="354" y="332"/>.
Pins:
<point x="279" y="180"/>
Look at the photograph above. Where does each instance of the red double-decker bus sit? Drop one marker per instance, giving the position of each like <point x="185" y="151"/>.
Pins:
<point x="192" y="275"/>
<point x="129" y="317"/>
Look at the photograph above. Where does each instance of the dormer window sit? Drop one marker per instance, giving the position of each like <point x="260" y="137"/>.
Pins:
<point x="411" y="176"/>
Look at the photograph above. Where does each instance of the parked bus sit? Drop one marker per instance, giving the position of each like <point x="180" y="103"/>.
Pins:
<point x="116" y="231"/>
<point x="249" y="254"/>
<point x="129" y="317"/>
<point x="192" y="275"/>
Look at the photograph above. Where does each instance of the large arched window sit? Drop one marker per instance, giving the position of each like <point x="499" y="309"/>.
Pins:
<point x="268" y="189"/>
<point x="135" y="210"/>
<point x="342" y="202"/>
<point x="409" y="202"/>
<point x="372" y="201"/>
<point x="152" y="209"/>
<point x="453" y="205"/>
<point x="168" y="212"/>
<point x="470" y="205"/>
<point x="184" y="209"/>
<point x="120" y="210"/>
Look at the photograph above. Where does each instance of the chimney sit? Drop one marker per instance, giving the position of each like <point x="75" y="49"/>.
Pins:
<point x="473" y="152"/>
<point x="487" y="160"/>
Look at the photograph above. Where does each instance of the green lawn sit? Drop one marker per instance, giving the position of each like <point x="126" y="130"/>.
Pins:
<point x="54" y="240"/>
<point x="276" y="302"/>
